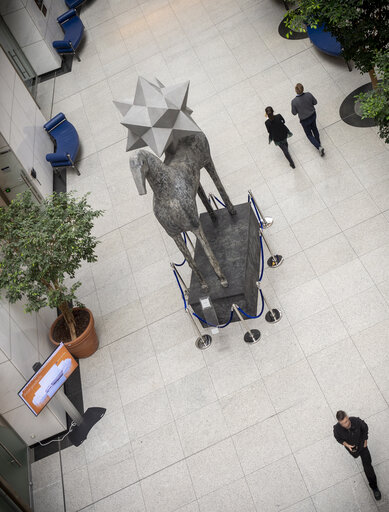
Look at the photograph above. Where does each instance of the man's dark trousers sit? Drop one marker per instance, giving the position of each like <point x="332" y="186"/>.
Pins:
<point x="368" y="468"/>
<point x="310" y="129"/>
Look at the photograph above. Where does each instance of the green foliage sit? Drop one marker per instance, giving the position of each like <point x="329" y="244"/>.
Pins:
<point x="361" y="26"/>
<point x="43" y="244"/>
<point x="375" y="104"/>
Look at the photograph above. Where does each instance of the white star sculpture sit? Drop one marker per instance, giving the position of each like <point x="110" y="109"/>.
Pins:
<point x="158" y="117"/>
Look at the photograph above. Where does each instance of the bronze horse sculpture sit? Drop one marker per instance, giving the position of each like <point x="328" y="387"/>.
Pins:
<point x="175" y="183"/>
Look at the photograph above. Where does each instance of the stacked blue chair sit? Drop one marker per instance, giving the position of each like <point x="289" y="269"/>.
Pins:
<point x="325" y="41"/>
<point x="66" y="142"/>
<point x="73" y="30"/>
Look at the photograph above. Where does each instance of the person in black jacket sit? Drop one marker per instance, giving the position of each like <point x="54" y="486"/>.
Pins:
<point x="352" y="433"/>
<point x="278" y="133"/>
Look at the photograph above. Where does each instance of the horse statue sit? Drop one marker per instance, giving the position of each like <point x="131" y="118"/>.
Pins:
<point x="175" y="183"/>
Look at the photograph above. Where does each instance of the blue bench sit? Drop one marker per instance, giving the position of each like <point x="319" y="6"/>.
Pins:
<point x="66" y="140"/>
<point x="325" y="41"/>
<point x="73" y="30"/>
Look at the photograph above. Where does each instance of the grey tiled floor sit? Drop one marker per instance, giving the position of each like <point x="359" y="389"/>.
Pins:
<point x="237" y="428"/>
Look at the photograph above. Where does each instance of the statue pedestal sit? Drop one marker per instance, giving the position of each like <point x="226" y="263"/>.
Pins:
<point x="234" y="240"/>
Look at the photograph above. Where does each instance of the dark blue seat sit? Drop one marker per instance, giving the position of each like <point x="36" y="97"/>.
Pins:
<point x="73" y="4"/>
<point x="324" y="41"/>
<point x="67" y="142"/>
<point x="73" y="30"/>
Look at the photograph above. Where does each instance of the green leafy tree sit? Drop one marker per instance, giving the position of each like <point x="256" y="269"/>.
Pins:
<point x="375" y="104"/>
<point x="361" y="27"/>
<point x="43" y="244"/>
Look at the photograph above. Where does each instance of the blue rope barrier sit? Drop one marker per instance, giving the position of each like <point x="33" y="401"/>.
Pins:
<point x="183" y="263"/>
<point x="180" y="287"/>
<point x="262" y="260"/>
<point x="260" y="313"/>
<point x="220" y="202"/>
<point x="212" y="325"/>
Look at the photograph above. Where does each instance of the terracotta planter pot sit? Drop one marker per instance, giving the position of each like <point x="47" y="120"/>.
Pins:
<point x="84" y="345"/>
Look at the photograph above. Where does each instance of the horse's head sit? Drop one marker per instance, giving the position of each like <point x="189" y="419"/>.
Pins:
<point x="139" y="167"/>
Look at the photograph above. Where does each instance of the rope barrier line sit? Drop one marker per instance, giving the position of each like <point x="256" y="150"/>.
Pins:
<point x="220" y="202"/>
<point x="259" y="314"/>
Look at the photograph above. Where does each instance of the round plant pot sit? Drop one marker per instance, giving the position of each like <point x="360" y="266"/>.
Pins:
<point x="85" y="344"/>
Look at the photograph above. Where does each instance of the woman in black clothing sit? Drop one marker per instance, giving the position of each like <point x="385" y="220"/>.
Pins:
<point x="278" y="133"/>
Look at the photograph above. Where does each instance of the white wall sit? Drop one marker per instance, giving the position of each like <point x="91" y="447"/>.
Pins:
<point x="23" y="337"/>
<point x="35" y="32"/>
<point x="21" y="124"/>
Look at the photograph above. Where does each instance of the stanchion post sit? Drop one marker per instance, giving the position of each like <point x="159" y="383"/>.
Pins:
<point x="273" y="315"/>
<point x="190" y="241"/>
<point x="251" y="335"/>
<point x="203" y="341"/>
<point x="275" y="260"/>
<point x="212" y="197"/>
<point x="266" y="221"/>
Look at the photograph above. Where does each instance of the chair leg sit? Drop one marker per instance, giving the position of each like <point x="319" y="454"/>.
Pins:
<point x="349" y="65"/>
<point x="77" y="57"/>
<point x="74" y="166"/>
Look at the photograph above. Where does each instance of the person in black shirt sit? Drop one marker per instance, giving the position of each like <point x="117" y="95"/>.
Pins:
<point x="278" y="133"/>
<point x="352" y="433"/>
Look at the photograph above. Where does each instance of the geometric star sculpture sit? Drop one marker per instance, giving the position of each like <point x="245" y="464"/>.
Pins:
<point x="158" y="117"/>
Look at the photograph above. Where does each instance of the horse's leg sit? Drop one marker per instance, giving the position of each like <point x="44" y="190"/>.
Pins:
<point x="211" y="257"/>
<point x="210" y="167"/>
<point x="205" y="202"/>
<point x="187" y="255"/>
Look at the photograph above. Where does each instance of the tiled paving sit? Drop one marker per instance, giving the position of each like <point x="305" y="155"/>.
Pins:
<point x="237" y="428"/>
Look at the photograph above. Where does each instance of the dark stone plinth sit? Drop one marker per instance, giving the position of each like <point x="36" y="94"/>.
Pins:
<point x="235" y="242"/>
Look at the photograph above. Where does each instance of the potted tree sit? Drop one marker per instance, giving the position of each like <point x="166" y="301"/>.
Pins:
<point x="41" y="247"/>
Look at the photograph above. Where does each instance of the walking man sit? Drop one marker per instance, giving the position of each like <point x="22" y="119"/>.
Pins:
<point x="304" y="105"/>
<point x="352" y="433"/>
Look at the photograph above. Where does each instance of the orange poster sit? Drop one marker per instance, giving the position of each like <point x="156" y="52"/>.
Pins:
<point x="38" y="391"/>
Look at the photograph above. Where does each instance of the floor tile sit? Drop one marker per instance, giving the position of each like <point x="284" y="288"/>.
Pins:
<point x="157" y="450"/>
<point x="77" y="489"/>
<point x="354" y="210"/>
<point x="168" y="489"/>
<point x="351" y="494"/>
<point x="131" y="349"/>
<point x="202" y="428"/>
<point x="277" y="351"/>
<point x="233" y="372"/>
<point x="235" y="496"/>
<point x="120" y="500"/>
<point x="307" y="422"/>
<point x="112" y="472"/>
<point x="291" y="385"/>
<point x="330" y="254"/>
<point x="220" y="461"/>
<point x="304" y="301"/>
<point x="369" y="235"/>
<point x="247" y="407"/>
<point x="324" y="464"/>
<point x="346" y="281"/>
<point x="282" y="479"/>
<point x="261" y="444"/>
<point x="179" y="361"/>
<point x="315" y="229"/>
<point x="319" y="331"/>
<point x="139" y="380"/>
<point x="147" y="414"/>
<point x="362" y="310"/>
